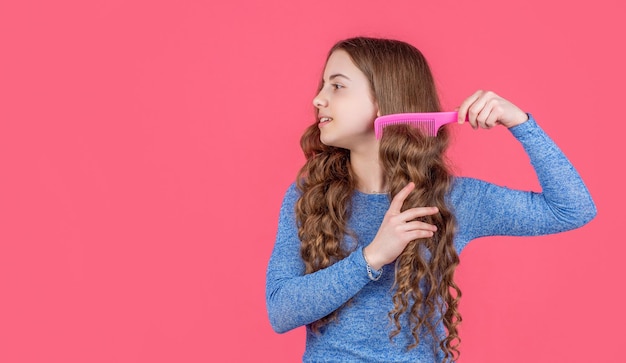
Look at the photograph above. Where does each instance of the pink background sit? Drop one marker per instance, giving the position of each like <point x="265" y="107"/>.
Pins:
<point x="145" y="147"/>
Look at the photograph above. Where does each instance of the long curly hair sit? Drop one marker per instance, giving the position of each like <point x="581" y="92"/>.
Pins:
<point x="424" y="289"/>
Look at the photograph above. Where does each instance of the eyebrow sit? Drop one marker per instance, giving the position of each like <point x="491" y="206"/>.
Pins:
<point x="338" y="75"/>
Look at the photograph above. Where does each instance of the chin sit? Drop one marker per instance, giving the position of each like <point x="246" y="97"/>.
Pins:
<point x="326" y="141"/>
<point x="332" y="143"/>
<point x="338" y="142"/>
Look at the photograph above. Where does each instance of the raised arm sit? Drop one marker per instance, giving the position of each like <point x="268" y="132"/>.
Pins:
<point x="563" y="204"/>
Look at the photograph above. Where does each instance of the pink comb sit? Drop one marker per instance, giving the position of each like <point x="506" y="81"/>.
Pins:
<point x="428" y="122"/>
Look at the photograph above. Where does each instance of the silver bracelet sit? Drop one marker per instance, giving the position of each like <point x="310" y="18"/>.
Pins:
<point x="371" y="276"/>
<point x="369" y="270"/>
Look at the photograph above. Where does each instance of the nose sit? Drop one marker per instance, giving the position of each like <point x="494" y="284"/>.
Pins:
<point x="320" y="100"/>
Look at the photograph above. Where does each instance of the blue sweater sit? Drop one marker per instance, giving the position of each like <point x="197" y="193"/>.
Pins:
<point x="361" y="333"/>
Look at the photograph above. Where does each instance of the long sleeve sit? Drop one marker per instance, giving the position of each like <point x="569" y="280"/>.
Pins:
<point x="295" y="299"/>
<point x="361" y="332"/>
<point x="484" y="209"/>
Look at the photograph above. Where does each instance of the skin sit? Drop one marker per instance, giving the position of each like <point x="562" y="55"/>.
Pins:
<point x="346" y="97"/>
<point x="348" y="100"/>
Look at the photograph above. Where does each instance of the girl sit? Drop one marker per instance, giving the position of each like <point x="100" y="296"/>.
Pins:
<point x="369" y="235"/>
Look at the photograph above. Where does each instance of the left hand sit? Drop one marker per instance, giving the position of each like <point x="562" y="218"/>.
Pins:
<point x="485" y="109"/>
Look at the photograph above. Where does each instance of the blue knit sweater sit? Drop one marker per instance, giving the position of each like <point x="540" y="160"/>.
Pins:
<point x="361" y="333"/>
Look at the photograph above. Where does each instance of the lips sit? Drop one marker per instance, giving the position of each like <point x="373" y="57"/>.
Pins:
<point x="325" y="119"/>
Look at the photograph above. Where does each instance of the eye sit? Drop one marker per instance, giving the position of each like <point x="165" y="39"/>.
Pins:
<point x="336" y="86"/>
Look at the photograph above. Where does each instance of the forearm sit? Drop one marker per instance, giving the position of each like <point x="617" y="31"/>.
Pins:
<point x="294" y="299"/>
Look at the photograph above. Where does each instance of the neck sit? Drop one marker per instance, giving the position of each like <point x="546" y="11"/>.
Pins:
<point x="367" y="171"/>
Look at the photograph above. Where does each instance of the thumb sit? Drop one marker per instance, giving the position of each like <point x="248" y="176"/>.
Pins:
<point x="398" y="200"/>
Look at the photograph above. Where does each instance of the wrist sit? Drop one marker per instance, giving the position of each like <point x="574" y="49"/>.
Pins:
<point x="523" y="117"/>
<point x="370" y="258"/>
<point x="374" y="274"/>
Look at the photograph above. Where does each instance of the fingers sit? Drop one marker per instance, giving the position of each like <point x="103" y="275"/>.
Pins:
<point x="417" y="234"/>
<point x="413" y="229"/>
<point x="486" y="118"/>
<point x="419" y="226"/>
<point x="479" y="107"/>
<point x="463" y="112"/>
<point x="396" y="203"/>
<point x="399" y="228"/>
<point x="405" y="221"/>
<point x="413" y="213"/>
<point x="485" y="109"/>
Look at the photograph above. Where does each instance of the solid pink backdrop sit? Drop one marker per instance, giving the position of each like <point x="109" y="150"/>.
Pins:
<point x="145" y="147"/>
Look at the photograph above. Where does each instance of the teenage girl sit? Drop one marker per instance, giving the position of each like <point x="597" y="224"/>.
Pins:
<point x="369" y="234"/>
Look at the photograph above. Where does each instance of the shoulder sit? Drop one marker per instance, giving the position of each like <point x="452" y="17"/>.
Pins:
<point x="292" y="194"/>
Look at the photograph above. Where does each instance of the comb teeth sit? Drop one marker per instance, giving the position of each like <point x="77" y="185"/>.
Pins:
<point x="428" y="122"/>
<point x="427" y="126"/>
